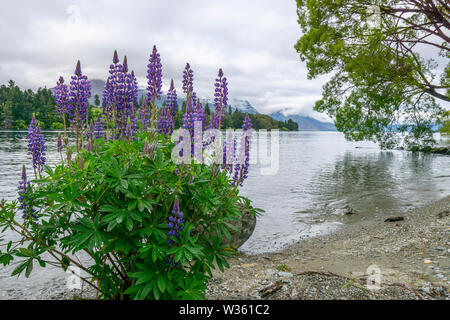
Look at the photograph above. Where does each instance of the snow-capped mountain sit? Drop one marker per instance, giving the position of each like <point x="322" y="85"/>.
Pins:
<point x="305" y="123"/>
<point x="242" y="105"/>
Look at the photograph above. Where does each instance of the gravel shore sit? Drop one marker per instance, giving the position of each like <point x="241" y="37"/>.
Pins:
<point x="412" y="257"/>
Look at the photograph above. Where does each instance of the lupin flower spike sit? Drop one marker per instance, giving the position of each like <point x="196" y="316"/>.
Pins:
<point x="154" y="76"/>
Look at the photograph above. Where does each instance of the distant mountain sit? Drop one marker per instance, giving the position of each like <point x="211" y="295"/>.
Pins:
<point x="242" y="105"/>
<point x="305" y="123"/>
<point x="97" y="87"/>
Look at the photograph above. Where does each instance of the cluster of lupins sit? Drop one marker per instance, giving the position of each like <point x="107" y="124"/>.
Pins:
<point x="122" y="118"/>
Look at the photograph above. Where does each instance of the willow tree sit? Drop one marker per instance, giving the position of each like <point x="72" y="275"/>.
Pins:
<point x="388" y="62"/>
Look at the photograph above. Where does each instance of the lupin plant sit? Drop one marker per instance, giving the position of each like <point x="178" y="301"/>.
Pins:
<point x="26" y="206"/>
<point x="171" y="101"/>
<point x="151" y="229"/>
<point x="62" y="101"/>
<point x="99" y="130"/>
<point x="36" y="147"/>
<point x="80" y="92"/>
<point x="154" y="77"/>
<point x="243" y="162"/>
<point x="220" y="100"/>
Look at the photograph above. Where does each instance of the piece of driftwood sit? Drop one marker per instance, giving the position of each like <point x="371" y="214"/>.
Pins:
<point x="443" y="214"/>
<point x="271" y="289"/>
<point x="394" y="219"/>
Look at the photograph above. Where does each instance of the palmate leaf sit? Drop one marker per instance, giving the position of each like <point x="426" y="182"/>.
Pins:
<point x="192" y="289"/>
<point x="149" y="282"/>
<point x="86" y="234"/>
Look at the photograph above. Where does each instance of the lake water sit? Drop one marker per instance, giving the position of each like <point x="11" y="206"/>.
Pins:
<point x="320" y="173"/>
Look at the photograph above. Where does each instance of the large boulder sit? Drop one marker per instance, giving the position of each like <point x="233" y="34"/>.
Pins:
<point x="246" y="227"/>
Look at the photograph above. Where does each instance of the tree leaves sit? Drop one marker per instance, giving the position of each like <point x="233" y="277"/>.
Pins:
<point x="379" y="80"/>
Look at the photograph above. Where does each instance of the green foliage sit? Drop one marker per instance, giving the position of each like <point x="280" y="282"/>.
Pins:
<point x="378" y="81"/>
<point x="20" y="125"/>
<point x="284" y="268"/>
<point x="113" y="205"/>
<point x="97" y="100"/>
<point x="17" y="107"/>
<point x="5" y="115"/>
<point x="57" y="126"/>
<point x="444" y="123"/>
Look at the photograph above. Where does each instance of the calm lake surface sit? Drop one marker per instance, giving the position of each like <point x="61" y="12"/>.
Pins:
<point x="320" y="173"/>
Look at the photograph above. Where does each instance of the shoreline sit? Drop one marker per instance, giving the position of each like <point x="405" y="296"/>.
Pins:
<point x="412" y="256"/>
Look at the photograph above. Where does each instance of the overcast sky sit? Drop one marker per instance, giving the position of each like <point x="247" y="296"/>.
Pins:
<point x="252" y="40"/>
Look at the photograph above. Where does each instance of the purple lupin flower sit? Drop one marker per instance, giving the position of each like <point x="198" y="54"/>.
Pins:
<point x="145" y="115"/>
<point x="129" y="132"/>
<point x="171" y="101"/>
<point x="165" y="122"/>
<point x="90" y="131"/>
<point x="106" y="103"/>
<point x="99" y="131"/>
<point x="229" y="152"/>
<point x="80" y="92"/>
<point x="247" y="135"/>
<point x="154" y="76"/>
<point x="110" y="94"/>
<point x="120" y="96"/>
<point x="113" y="95"/>
<point x="134" y="119"/>
<point x="36" y="146"/>
<point x="188" y="80"/>
<point x="220" y="99"/>
<point x="146" y="147"/>
<point x="189" y="115"/>
<point x="23" y="188"/>
<point x="61" y="97"/>
<point x="200" y="113"/>
<point x="133" y="90"/>
<point x="129" y="96"/>
<point x="176" y="221"/>
<point x="59" y="144"/>
<point x="243" y="163"/>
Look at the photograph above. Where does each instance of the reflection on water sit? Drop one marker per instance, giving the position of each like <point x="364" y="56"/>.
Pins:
<point x="387" y="182"/>
<point x="321" y="174"/>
